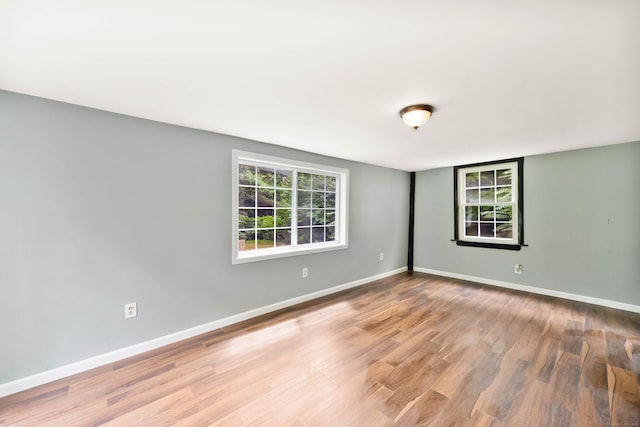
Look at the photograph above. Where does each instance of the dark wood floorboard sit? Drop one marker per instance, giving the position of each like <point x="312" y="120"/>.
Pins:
<point x="412" y="349"/>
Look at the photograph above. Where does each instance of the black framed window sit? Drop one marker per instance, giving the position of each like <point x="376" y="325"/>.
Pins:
<point x="488" y="203"/>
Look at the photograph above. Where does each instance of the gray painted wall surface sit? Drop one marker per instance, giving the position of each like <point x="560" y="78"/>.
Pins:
<point x="99" y="209"/>
<point x="582" y="225"/>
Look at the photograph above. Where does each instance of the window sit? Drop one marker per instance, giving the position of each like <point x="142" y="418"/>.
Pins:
<point x="283" y="207"/>
<point x="489" y="204"/>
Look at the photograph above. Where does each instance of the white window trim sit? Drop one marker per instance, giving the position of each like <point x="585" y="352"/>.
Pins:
<point x="342" y="208"/>
<point x="462" y="171"/>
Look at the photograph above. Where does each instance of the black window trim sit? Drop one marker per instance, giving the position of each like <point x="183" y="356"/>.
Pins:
<point x="516" y="247"/>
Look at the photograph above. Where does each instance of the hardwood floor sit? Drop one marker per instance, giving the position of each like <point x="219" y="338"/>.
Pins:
<point x="413" y="349"/>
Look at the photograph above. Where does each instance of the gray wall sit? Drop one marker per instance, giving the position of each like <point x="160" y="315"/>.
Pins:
<point x="582" y="225"/>
<point x="99" y="209"/>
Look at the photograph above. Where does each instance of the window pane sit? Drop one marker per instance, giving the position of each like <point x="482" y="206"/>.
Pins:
<point x="265" y="177"/>
<point x="331" y="217"/>
<point x="472" y="179"/>
<point x="283" y="218"/>
<point x="304" y="217"/>
<point x="472" y="196"/>
<point x="471" y="213"/>
<point x="317" y="200"/>
<point x="318" y="217"/>
<point x="504" y="213"/>
<point x="486" y="229"/>
<point x="487" y="178"/>
<point x="330" y="234"/>
<point x="304" y="235"/>
<point x="504" y="230"/>
<point x="284" y="179"/>
<point x="486" y="200"/>
<point x="265" y="197"/>
<point x="504" y="176"/>
<point x="318" y="182"/>
<point x="283" y="237"/>
<point x="246" y="241"/>
<point x="471" y="228"/>
<point x="246" y="175"/>
<point x="487" y="195"/>
<point x="246" y="218"/>
<point x="503" y="194"/>
<point x="330" y="200"/>
<point x="265" y="218"/>
<point x="486" y="213"/>
<point x="304" y="199"/>
<point x="318" y="234"/>
<point x="284" y="203"/>
<point x="304" y="181"/>
<point x="283" y="198"/>
<point x="265" y="239"/>
<point x="331" y="183"/>
<point x="246" y="197"/>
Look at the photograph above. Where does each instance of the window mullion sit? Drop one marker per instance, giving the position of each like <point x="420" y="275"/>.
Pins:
<point x="294" y="209"/>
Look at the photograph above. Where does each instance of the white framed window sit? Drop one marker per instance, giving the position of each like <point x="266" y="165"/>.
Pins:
<point x="284" y="207"/>
<point x="489" y="204"/>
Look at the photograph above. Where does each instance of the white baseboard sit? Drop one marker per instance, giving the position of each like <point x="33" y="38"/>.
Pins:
<point x="113" y="356"/>
<point x="534" y="290"/>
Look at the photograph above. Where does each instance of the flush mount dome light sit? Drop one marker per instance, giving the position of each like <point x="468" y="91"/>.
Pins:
<point x="416" y="115"/>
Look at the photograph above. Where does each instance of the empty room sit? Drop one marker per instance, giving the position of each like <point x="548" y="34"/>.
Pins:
<point x="342" y="214"/>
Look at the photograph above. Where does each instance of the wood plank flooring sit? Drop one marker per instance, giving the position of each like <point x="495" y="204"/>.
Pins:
<point x="412" y="349"/>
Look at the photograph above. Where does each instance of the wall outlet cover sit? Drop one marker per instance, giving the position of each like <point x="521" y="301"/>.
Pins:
<point x="130" y="310"/>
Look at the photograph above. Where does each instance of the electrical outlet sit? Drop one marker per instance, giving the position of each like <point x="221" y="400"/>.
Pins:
<point x="305" y="272"/>
<point x="130" y="310"/>
<point x="518" y="269"/>
<point x="381" y="256"/>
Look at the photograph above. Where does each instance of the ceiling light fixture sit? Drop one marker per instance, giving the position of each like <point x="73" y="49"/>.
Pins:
<point x="416" y="115"/>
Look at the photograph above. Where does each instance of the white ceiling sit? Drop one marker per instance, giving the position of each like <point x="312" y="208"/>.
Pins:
<point x="507" y="77"/>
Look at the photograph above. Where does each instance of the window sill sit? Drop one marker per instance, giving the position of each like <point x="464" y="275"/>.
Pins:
<point x="262" y="255"/>
<point x="509" y="247"/>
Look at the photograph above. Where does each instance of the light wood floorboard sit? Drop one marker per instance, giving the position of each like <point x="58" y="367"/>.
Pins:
<point x="412" y="349"/>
